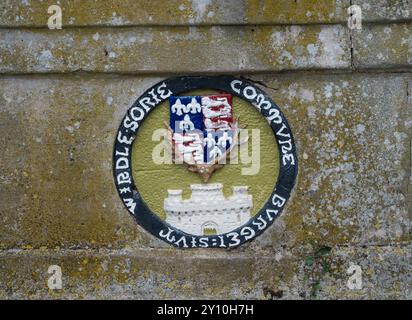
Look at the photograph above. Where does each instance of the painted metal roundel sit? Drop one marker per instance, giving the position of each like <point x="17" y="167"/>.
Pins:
<point x="202" y="132"/>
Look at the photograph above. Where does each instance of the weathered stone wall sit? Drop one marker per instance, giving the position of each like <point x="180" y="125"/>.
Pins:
<point x="346" y="94"/>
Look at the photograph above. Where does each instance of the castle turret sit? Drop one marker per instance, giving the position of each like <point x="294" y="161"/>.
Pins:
<point x="174" y="195"/>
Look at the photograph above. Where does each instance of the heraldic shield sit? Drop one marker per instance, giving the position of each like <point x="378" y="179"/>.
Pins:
<point x="202" y="131"/>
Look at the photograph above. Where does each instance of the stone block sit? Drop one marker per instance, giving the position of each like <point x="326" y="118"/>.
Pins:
<point x="381" y="46"/>
<point x="220" y="49"/>
<point x="173" y="12"/>
<point x="385" y="10"/>
<point x="352" y="132"/>
<point x="166" y="274"/>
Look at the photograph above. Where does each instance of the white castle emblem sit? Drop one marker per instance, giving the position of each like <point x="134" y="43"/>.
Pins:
<point x="208" y="212"/>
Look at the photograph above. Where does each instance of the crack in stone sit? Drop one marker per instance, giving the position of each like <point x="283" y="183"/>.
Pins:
<point x="409" y="165"/>
<point x="352" y="50"/>
<point x="259" y="83"/>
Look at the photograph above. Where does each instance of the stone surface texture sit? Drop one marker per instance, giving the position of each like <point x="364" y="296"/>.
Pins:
<point x="347" y="95"/>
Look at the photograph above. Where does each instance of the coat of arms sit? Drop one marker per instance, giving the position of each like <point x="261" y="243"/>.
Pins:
<point x="202" y="133"/>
